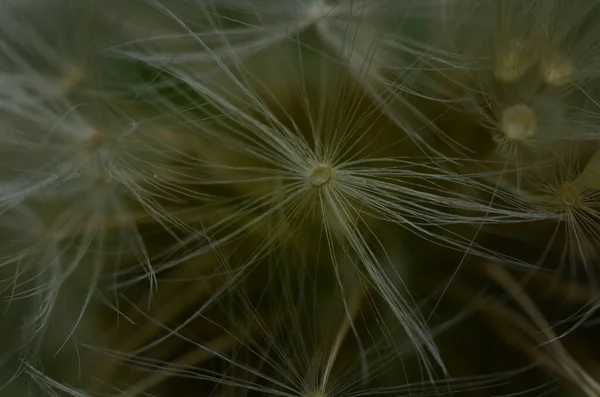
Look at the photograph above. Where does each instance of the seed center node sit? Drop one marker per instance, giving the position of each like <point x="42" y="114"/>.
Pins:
<point x="569" y="196"/>
<point x="557" y="70"/>
<point x="321" y="175"/>
<point x="519" y="122"/>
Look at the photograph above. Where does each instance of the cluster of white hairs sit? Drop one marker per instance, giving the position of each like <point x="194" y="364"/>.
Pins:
<point x="272" y="177"/>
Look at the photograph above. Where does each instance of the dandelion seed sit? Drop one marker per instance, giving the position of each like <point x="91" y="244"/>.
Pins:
<point x="513" y="61"/>
<point x="56" y="50"/>
<point x="519" y="122"/>
<point x="320" y="165"/>
<point x="321" y="175"/>
<point x="569" y="42"/>
<point x="557" y="70"/>
<point x="569" y="196"/>
<point x="557" y="189"/>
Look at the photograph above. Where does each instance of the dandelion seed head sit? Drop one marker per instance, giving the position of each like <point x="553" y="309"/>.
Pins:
<point x="557" y="70"/>
<point x="321" y="175"/>
<point x="512" y="61"/>
<point x="554" y="187"/>
<point x="518" y="122"/>
<point x="569" y="197"/>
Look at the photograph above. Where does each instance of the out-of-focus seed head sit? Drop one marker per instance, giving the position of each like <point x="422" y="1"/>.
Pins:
<point x="557" y="70"/>
<point x="519" y="122"/>
<point x="512" y="61"/>
<point x="568" y="196"/>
